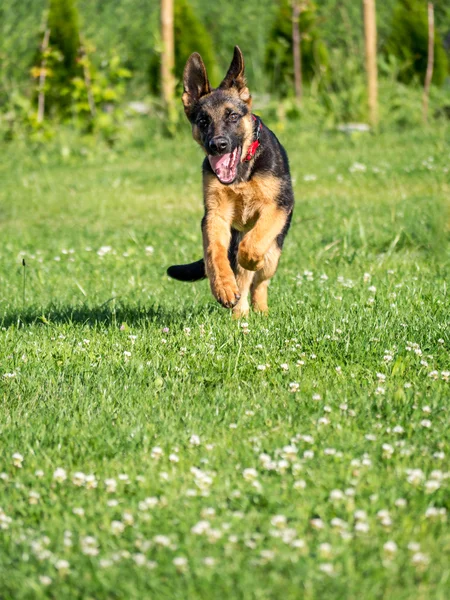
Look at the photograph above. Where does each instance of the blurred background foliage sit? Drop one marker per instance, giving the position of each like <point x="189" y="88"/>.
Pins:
<point x="120" y="64"/>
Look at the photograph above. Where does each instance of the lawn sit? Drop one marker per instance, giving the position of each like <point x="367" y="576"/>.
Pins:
<point x="152" y="447"/>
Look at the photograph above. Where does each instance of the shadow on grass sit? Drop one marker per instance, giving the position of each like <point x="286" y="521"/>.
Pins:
<point x="104" y="315"/>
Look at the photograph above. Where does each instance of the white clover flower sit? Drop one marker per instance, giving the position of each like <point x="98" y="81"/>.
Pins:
<point x="290" y="452"/>
<point x="388" y="450"/>
<point x="5" y="521"/>
<point x="336" y="495"/>
<point x="299" y="484"/>
<point x="91" y="482"/>
<point x="62" y="566"/>
<point x="139" y="559"/>
<point x="78" y="479"/>
<point x="156" y="453"/>
<point x="162" y="540"/>
<point x="124" y="478"/>
<point x="415" y="476"/>
<point x="209" y="561"/>
<point x="213" y="535"/>
<point x="325" y="550"/>
<point x="294" y="387"/>
<point x="419" y="559"/>
<point x="174" y="458"/>
<point x="111" y="485"/>
<point x="327" y="568"/>
<point x="181" y="564"/>
<point x="317" y="397"/>
<point x="435" y="514"/>
<point x="380" y="391"/>
<point x="413" y="546"/>
<point x="201" y="528"/>
<point x="278" y="521"/>
<point x="434" y="375"/>
<point x="59" y="475"/>
<point x="284" y="367"/>
<point x="360" y="515"/>
<point x="401" y="502"/>
<point x="127" y="518"/>
<point x="431" y="486"/>
<point x="390" y="548"/>
<point x="89" y="546"/>
<point x="194" y="440"/>
<point x="17" y="460"/>
<point x="250" y="474"/>
<point x="426" y="423"/>
<point x="33" y="497"/>
<point x="362" y="527"/>
<point x="45" y="580"/>
<point x="317" y="523"/>
<point x="308" y="454"/>
<point x="261" y="367"/>
<point x="426" y="409"/>
<point x="338" y="523"/>
<point x="117" y="527"/>
<point x="78" y="511"/>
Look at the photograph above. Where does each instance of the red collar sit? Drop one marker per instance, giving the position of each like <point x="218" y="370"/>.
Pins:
<point x="254" y="145"/>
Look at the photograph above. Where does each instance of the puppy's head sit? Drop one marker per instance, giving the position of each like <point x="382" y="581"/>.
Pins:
<point x="221" y="118"/>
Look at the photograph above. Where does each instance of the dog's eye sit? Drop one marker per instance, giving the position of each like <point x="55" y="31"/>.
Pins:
<point x="233" y="117"/>
<point x="202" y="123"/>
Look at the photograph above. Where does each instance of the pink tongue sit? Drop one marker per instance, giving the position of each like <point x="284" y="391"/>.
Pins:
<point x="220" y="164"/>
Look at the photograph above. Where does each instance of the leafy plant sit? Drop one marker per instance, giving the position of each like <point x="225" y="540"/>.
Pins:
<point x="408" y="42"/>
<point x="279" y="55"/>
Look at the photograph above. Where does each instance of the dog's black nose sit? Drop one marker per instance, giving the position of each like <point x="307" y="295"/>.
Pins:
<point x="218" y="144"/>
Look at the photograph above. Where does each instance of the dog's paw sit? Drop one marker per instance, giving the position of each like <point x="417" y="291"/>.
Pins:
<point x="249" y="257"/>
<point x="226" y="292"/>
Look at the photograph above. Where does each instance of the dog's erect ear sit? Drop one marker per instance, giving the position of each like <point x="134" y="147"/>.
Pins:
<point x="195" y="82"/>
<point x="235" y="78"/>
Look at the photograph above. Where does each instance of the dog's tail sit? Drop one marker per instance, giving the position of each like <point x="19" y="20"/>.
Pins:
<point x="191" y="272"/>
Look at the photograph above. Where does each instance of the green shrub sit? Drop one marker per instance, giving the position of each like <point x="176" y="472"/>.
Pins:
<point x="279" y="55"/>
<point x="190" y="36"/>
<point x="408" y="43"/>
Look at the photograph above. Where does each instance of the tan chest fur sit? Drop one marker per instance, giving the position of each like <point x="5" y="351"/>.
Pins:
<point x="244" y="202"/>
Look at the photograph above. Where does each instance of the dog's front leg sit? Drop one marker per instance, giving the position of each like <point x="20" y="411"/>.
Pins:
<point x="216" y="229"/>
<point x="256" y="243"/>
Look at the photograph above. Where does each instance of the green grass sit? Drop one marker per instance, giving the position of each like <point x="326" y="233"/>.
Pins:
<point x="110" y="359"/>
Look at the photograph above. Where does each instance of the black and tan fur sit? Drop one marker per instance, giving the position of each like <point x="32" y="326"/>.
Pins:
<point x="247" y="219"/>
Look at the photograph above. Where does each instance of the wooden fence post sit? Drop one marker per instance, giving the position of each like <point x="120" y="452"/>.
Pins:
<point x="168" y="59"/>
<point x="370" y="38"/>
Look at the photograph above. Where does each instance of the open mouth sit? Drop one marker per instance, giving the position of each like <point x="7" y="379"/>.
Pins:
<point x="225" y="165"/>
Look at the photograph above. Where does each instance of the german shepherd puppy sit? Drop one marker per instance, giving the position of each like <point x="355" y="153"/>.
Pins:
<point x="247" y="189"/>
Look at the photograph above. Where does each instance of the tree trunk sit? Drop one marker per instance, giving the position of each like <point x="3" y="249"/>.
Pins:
<point x="370" y="37"/>
<point x="167" y="59"/>
<point x="430" y="63"/>
<point x="296" y="50"/>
